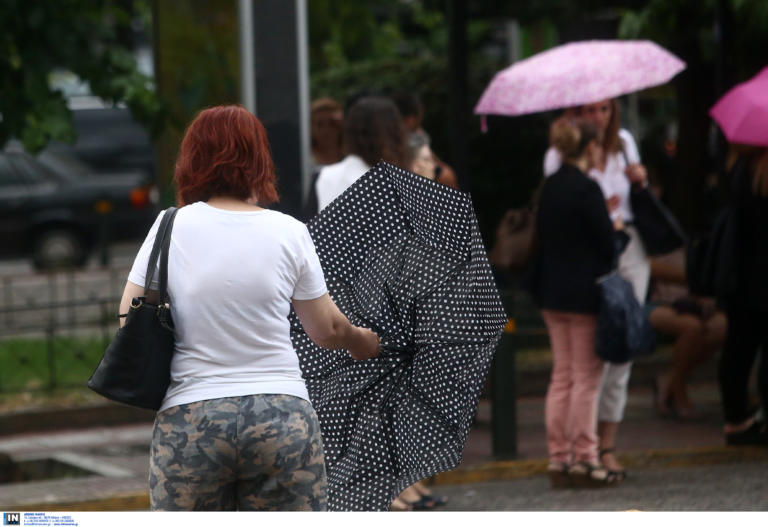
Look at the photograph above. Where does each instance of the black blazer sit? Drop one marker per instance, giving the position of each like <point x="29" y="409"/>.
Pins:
<point x="575" y="242"/>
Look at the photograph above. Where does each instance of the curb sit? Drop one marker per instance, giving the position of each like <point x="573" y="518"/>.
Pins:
<point x="58" y="419"/>
<point x="641" y="459"/>
<point x="130" y="501"/>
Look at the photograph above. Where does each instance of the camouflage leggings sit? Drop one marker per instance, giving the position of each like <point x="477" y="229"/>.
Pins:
<point x="258" y="452"/>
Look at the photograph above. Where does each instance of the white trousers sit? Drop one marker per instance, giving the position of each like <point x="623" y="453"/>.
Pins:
<point x="636" y="268"/>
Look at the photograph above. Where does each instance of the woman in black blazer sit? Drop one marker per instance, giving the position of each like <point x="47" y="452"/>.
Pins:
<point x="575" y="247"/>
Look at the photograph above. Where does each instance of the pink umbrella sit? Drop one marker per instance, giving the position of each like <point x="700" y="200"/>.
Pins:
<point x="578" y="73"/>
<point x="742" y="113"/>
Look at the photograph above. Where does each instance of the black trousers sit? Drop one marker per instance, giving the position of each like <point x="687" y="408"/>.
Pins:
<point x="747" y="336"/>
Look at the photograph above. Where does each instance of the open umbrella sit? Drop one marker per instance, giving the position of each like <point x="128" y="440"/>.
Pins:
<point x="403" y="256"/>
<point x="578" y="73"/>
<point x="742" y="112"/>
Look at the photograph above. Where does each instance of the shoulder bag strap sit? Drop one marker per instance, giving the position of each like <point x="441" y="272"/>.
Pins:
<point x="156" y="247"/>
<point x="164" y="257"/>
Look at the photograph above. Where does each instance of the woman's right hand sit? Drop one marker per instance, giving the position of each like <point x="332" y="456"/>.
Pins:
<point x="618" y="224"/>
<point x="613" y="202"/>
<point x="367" y="345"/>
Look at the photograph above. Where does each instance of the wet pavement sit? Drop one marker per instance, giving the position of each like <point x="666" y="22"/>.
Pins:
<point x="672" y="465"/>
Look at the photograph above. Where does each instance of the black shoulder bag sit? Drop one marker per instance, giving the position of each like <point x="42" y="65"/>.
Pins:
<point x="136" y="366"/>
<point x="657" y="226"/>
<point x="712" y="265"/>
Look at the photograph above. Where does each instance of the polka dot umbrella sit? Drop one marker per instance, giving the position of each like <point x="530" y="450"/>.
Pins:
<point x="402" y="255"/>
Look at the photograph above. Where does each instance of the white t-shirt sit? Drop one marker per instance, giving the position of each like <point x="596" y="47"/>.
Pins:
<point x="231" y="278"/>
<point x="336" y="178"/>
<point x="612" y="180"/>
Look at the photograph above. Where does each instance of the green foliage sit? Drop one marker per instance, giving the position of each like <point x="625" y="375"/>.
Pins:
<point x="25" y="362"/>
<point x="40" y="38"/>
<point x="504" y="164"/>
<point x="343" y="32"/>
<point x="689" y="26"/>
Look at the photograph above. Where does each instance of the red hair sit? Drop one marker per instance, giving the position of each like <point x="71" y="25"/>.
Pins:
<point x="225" y="152"/>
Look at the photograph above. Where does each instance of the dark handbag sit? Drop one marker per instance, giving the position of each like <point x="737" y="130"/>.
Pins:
<point x="514" y="239"/>
<point x="710" y="265"/>
<point x="136" y="366"/>
<point x="623" y="329"/>
<point x="658" y="228"/>
<point x="712" y="260"/>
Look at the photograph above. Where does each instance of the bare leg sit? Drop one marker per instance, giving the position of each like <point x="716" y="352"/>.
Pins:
<point x="410" y="495"/>
<point x="607" y="432"/>
<point x="690" y="350"/>
<point x="422" y="489"/>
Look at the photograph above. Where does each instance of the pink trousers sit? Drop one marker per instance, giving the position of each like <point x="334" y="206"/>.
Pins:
<point x="571" y="406"/>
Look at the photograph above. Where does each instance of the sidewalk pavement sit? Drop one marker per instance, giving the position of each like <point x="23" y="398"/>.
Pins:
<point x="113" y="460"/>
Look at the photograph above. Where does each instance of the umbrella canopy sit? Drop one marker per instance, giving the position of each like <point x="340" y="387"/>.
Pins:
<point x="402" y="255"/>
<point x="742" y="113"/>
<point x="578" y="73"/>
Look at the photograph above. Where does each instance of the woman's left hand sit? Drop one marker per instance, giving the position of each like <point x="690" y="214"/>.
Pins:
<point x="637" y="174"/>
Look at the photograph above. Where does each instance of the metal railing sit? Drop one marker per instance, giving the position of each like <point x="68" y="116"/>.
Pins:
<point x="54" y="326"/>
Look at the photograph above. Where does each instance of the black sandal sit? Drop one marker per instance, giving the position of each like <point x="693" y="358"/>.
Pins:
<point x="431" y="501"/>
<point x="618" y="475"/>
<point x="588" y="476"/>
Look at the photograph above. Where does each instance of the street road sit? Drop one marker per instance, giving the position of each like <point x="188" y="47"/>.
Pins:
<point x="729" y="487"/>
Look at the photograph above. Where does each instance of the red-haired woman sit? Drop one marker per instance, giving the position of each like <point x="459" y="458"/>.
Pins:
<point x="236" y="429"/>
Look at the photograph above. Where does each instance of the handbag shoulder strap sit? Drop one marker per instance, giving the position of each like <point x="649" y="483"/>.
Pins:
<point x="624" y="151"/>
<point x="164" y="258"/>
<point x="163" y="232"/>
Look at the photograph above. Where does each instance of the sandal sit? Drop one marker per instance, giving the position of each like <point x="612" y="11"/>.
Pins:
<point x="618" y="475"/>
<point x="663" y="406"/>
<point x="588" y="476"/>
<point x="756" y="434"/>
<point x="425" y="503"/>
<point x="428" y="500"/>
<point x="558" y="475"/>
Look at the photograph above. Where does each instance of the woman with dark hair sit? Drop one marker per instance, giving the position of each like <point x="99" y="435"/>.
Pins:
<point x="747" y="303"/>
<point x="575" y="247"/>
<point x="373" y="131"/>
<point x="236" y="429"/>
<point x="616" y="171"/>
<point x="326" y="119"/>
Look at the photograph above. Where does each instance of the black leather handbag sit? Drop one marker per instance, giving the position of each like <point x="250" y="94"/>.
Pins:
<point x="136" y="366"/>
<point x="658" y="228"/>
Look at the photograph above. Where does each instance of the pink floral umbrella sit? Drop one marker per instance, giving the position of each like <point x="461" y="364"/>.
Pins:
<point x="578" y="73"/>
<point x="742" y="113"/>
